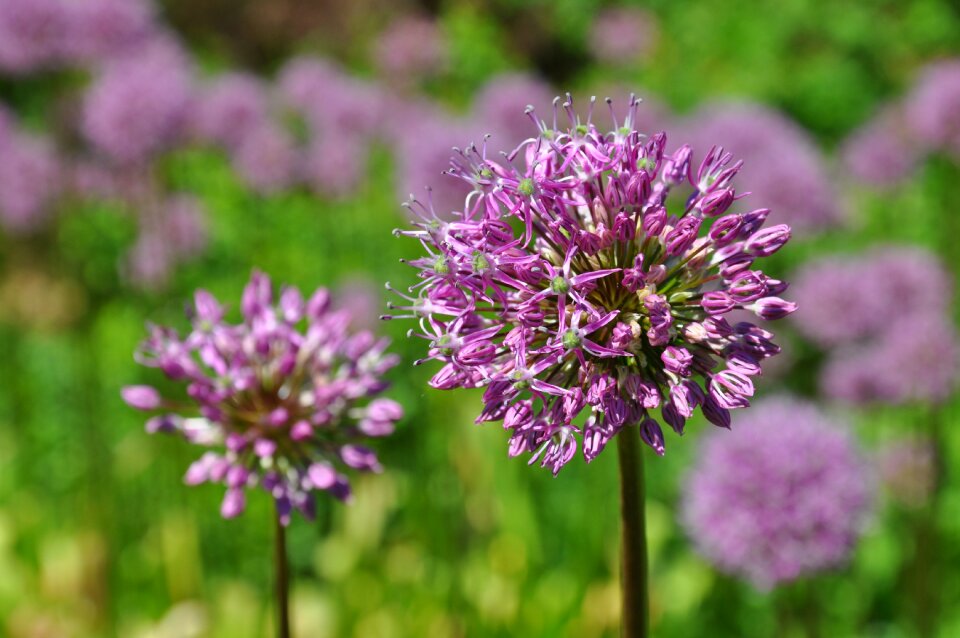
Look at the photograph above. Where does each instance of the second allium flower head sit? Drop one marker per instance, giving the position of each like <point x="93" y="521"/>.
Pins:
<point x="593" y="275"/>
<point x="286" y="394"/>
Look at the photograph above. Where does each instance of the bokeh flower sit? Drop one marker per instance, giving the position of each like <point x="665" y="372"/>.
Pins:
<point x="230" y="107"/>
<point x="138" y="106"/>
<point x="29" y="180"/>
<point x="593" y="275"/>
<point x="621" y="35"/>
<point x="287" y="396"/>
<point x="410" y="48"/>
<point x="933" y="107"/>
<point x="34" y="34"/>
<point x="782" y="164"/>
<point x="880" y="153"/>
<point x="784" y="495"/>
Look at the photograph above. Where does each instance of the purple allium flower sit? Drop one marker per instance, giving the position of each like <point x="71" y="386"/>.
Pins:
<point x="232" y="106"/>
<point x="329" y="99"/>
<point x="907" y="467"/>
<point x="410" y="48"/>
<point x="782" y="164"/>
<point x="107" y="29"/>
<point x="139" y="105"/>
<point x="622" y="35"/>
<point x="783" y="495"/>
<point x="287" y="396"/>
<point x="170" y="233"/>
<point x="266" y="158"/>
<point x="856" y="303"/>
<point x="933" y="107"/>
<point x="34" y="34"/>
<point x="424" y="146"/>
<point x="592" y="272"/>
<point x="29" y="181"/>
<point x="880" y="153"/>
<point x="334" y="165"/>
<point x="915" y="359"/>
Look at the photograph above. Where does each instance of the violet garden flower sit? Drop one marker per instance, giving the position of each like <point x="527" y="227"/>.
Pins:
<point x="932" y="107"/>
<point x="589" y="274"/>
<point x="411" y="48"/>
<point x="622" y="35"/>
<point x="283" y="401"/>
<point x="784" y="495"/>
<point x="880" y="153"/>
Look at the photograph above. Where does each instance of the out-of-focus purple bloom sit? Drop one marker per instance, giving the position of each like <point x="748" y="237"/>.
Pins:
<point x="500" y="100"/>
<point x="230" y="108"/>
<point x="108" y="29"/>
<point x="932" y="107"/>
<point x="845" y="299"/>
<point x="880" y="153"/>
<point x="785" y="494"/>
<point x="782" y="164"/>
<point x="34" y="34"/>
<point x="361" y="300"/>
<point x="409" y="49"/>
<point x="621" y="35"/>
<point x="29" y="181"/>
<point x="333" y="165"/>
<point x="138" y="106"/>
<point x="907" y="467"/>
<point x="561" y="284"/>
<point x="423" y="147"/>
<point x="284" y="396"/>
<point x="267" y="159"/>
<point x="330" y="100"/>
<point x="914" y="360"/>
<point x="170" y="233"/>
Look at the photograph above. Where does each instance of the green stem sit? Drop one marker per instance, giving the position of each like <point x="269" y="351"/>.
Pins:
<point x="282" y="578"/>
<point x="633" y="536"/>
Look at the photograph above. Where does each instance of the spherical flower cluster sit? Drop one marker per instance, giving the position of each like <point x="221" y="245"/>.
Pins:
<point x="33" y="34"/>
<point x="229" y="107"/>
<point x="623" y="34"/>
<point x="881" y="153"/>
<point x="933" y="107"/>
<point x="139" y="105"/>
<point x="288" y="394"/>
<point x="29" y="180"/>
<point x="410" y="48"/>
<point x="784" y="495"/>
<point x="593" y="276"/>
<point x="782" y="164"/>
<point x="873" y="357"/>
<point x="106" y="29"/>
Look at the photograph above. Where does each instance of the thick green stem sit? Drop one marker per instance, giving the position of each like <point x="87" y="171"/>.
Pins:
<point x="282" y="578"/>
<point x="633" y="536"/>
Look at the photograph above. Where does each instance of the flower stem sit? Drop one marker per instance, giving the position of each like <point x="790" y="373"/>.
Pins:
<point x="282" y="578"/>
<point x="633" y="536"/>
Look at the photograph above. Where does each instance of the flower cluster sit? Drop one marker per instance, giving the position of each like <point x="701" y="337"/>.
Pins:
<point x="783" y="495"/>
<point x="287" y="393"/>
<point x="593" y="277"/>
<point x="873" y="357"/>
<point x="782" y="162"/>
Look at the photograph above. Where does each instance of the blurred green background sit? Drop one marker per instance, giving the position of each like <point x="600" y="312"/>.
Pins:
<point x="98" y="536"/>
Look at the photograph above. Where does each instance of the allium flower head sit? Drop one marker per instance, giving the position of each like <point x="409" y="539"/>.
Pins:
<point x="784" y="495"/>
<point x="33" y="34"/>
<point x="284" y="398"/>
<point x="782" y="165"/>
<point x="139" y="105"/>
<point x="881" y="152"/>
<point x="230" y="107"/>
<point x="623" y="34"/>
<point x="933" y="107"/>
<point x="29" y="181"/>
<point x="591" y="272"/>
<point x="108" y="29"/>
<point x="410" y="48"/>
